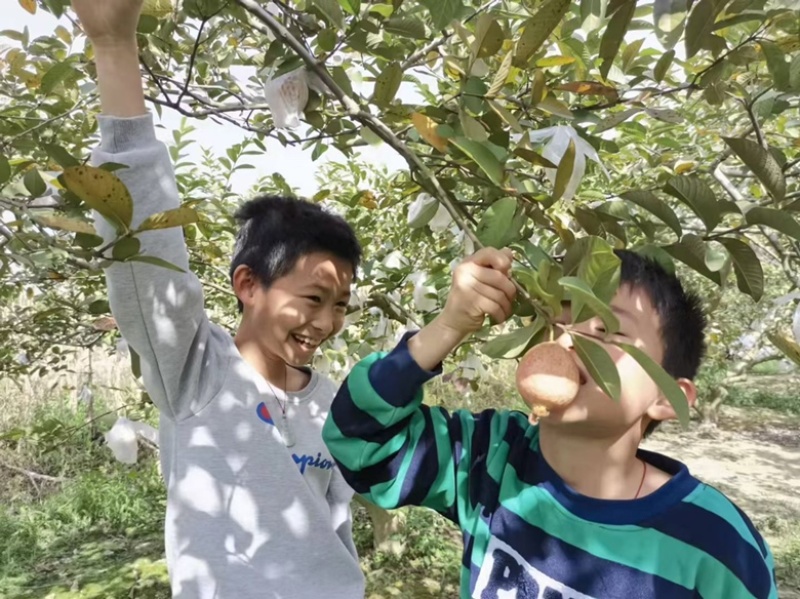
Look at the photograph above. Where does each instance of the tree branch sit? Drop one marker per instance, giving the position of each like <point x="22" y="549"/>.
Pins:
<point x="192" y="59"/>
<point x="727" y="185"/>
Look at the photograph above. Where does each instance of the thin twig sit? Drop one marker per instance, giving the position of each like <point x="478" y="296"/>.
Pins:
<point x="34" y="475"/>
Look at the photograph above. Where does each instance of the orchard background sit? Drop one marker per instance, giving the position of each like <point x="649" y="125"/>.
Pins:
<point x="563" y="129"/>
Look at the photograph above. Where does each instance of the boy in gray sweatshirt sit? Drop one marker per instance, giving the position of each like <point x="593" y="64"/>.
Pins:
<point x="256" y="506"/>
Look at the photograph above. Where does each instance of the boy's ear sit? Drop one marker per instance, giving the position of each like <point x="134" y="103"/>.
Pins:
<point x="245" y="284"/>
<point x="663" y="410"/>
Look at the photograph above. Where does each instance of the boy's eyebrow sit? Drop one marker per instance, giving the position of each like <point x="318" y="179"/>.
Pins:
<point x="323" y="289"/>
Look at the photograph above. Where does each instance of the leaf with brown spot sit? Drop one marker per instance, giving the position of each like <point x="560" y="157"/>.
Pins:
<point x="177" y="217"/>
<point x="102" y="191"/>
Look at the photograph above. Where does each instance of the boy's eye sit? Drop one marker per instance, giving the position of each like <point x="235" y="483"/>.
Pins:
<point x="314" y="298"/>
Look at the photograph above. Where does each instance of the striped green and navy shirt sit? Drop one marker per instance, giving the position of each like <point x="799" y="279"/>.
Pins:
<point x="526" y="533"/>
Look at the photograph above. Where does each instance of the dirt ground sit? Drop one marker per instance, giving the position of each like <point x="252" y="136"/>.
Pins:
<point x="754" y="458"/>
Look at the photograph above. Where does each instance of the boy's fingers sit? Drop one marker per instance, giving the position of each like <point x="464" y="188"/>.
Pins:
<point x="493" y="301"/>
<point x="498" y="280"/>
<point x="493" y="258"/>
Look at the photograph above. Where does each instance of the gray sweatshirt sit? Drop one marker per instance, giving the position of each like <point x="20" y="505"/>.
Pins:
<point x="246" y="516"/>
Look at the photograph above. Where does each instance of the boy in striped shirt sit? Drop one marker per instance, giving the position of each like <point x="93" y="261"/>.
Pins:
<point x="569" y="507"/>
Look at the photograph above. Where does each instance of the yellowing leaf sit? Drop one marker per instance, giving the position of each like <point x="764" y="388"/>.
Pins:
<point x="177" y="217"/>
<point x="426" y="128"/>
<point x="786" y="345"/>
<point x="56" y="221"/>
<point x="64" y="35"/>
<point x="29" y="5"/>
<point x="539" y="87"/>
<point x="555" y="61"/>
<point x="589" y="88"/>
<point x="157" y="8"/>
<point x="102" y="191"/>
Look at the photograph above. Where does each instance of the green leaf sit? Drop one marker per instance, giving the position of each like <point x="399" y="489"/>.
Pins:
<point x="657" y="254"/>
<point x="332" y="12"/>
<point x="668" y="19"/>
<point x="696" y="194"/>
<point x="668" y="385"/>
<point x="598" y="362"/>
<point x="472" y="127"/>
<point x="102" y="191"/>
<point x="746" y="265"/>
<point x="699" y="26"/>
<point x="592" y="14"/>
<point x="406" y="27"/>
<point x="177" y="217"/>
<point x="761" y="162"/>
<point x="691" y="250"/>
<point x="489" y="36"/>
<point x="98" y="307"/>
<point x="443" y="11"/>
<point x="136" y="363"/>
<point x="34" y="183"/>
<point x="538" y="28"/>
<point x="593" y="260"/>
<point x="775" y="219"/>
<point x="614" y="34"/>
<point x="533" y="157"/>
<point x="500" y="224"/>
<point x="662" y="65"/>
<point x="564" y="172"/>
<point x="655" y="206"/>
<point x="55" y="75"/>
<point x="776" y="63"/>
<point x="342" y="79"/>
<point x="514" y="344"/>
<point x="794" y="74"/>
<point x="5" y="169"/>
<point x="506" y="115"/>
<point x="387" y="84"/>
<point x="665" y="114"/>
<point x="482" y="156"/>
<point x="60" y="155"/>
<point x="351" y="6"/>
<point x="155" y="261"/>
<point x="579" y="290"/>
<point x="125" y="248"/>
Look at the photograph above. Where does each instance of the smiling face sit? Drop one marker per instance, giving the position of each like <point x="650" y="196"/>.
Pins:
<point x="593" y="413"/>
<point x="298" y="311"/>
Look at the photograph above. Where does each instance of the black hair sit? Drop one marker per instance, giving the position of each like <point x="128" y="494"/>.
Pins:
<point x="680" y="312"/>
<point x="276" y="231"/>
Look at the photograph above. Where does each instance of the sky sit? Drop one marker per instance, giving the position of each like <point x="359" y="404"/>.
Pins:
<point x="293" y="163"/>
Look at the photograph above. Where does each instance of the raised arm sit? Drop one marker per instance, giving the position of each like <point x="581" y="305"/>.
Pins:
<point x="159" y="311"/>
